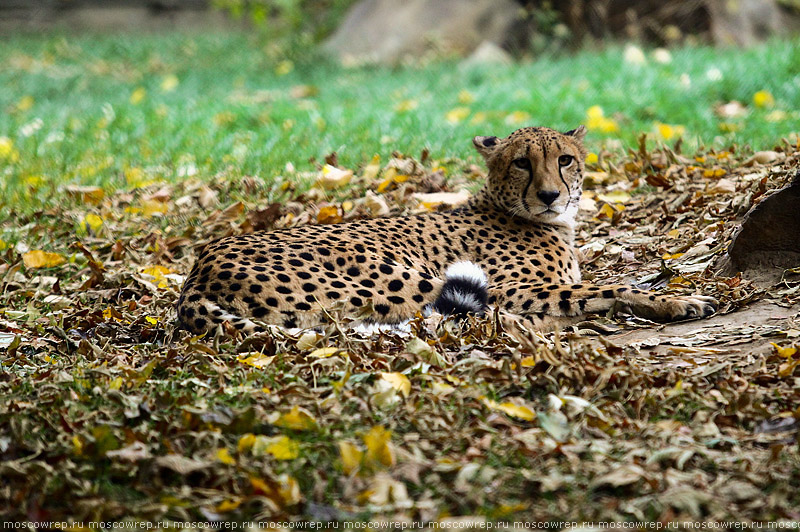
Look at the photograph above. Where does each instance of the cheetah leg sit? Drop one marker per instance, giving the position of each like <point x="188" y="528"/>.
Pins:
<point x="540" y="322"/>
<point x="582" y="298"/>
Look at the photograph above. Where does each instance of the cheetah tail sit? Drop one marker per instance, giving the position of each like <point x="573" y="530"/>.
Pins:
<point x="465" y="291"/>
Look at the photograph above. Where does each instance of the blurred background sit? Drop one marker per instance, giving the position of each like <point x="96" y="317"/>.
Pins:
<point x="120" y="93"/>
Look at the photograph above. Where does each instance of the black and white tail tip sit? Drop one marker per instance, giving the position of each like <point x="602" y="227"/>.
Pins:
<point x="465" y="291"/>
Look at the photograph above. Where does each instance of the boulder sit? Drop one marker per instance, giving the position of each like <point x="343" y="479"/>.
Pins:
<point x="744" y="22"/>
<point x="387" y="31"/>
<point x="768" y="240"/>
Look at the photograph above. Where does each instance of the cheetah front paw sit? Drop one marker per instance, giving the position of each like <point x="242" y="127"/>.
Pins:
<point x="690" y="307"/>
<point x="669" y="308"/>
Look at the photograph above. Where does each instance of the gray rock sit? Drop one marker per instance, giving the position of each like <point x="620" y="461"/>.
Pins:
<point x="744" y="22"/>
<point x="388" y="31"/>
<point x="768" y="240"/>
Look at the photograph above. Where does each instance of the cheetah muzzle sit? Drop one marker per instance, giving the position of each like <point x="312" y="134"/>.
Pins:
<point x="518" y="229"/>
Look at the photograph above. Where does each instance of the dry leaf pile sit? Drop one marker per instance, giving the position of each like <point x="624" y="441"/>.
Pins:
<point x="108" y="412"/>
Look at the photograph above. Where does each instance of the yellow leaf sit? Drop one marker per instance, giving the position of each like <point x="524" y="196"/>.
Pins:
<point x="156" y="270"/>
<point x="591" y="158"/>
<point x="257" y="360"/>
<point x="399" y="382"/>
<point x="151" y="320"/>
<point x="112" y="314"/>
<point x="372" y="170"/>
<point x="332" y="178"/>
<point x="763" y="99"/>
<point x="136" y="178"/>
<point x="7" y="150"/>
<point x="787" y="368"/>
<point x="714" y="173"/>
<point x="479" y="117"/>
<point x="169" y="82"/>
<point x="615" y="196"/>
<point x="391" y="178"/>
<point x="42" y="259"/>
<point x="3" y="244"/>
<point x="297" y="419"/>
<point x="606" y="211"/>
<point x="138" y="95"/>
<point x="77" y="445"/>
<point x="441" y="388"/>
<point x="457" y="114"/>
<point x="284" y="67"/>
<point x="329" y="215"/>
<point x="406" y="105"/>
<point x="289" y="490"/>
<point x="517" y="117"/>
<point x="730" y="127"/>
<point x="776" y="116"/>
<point x="324" y="352"/>
<point x="528" y="362"/>
<point x="151" y="207"/>
<point x="520" y="412"/>
<point x="25" y="103"/>
<point x="115" y="384"/>
<point x="379" y="451"/>
<point x="225" y="457"/>
<point x="280" y="447"/>
<point x="246" y="442"/>
<point x="596" y="120"/>
<point x="228" y="505"/>
<point x="92" y="222"/>
<point x="785" y="352"/>
<point x="351" y="456"/>
<point x="667" y="131"/>
<point x="673" y="233"/>
<point x="670" y="256"/>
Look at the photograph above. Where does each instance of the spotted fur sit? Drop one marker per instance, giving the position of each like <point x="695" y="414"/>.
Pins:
<point x="518" y="229"/>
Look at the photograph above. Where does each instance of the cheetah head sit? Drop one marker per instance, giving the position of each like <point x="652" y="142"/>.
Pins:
<point x="536" y="173"/>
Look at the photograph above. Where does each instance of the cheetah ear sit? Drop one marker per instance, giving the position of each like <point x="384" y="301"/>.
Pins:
<point x="485" y="145"/>
<point x="579" y="133"/>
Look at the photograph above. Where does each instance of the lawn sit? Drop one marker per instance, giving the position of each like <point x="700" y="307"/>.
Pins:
<point x="109" y="413"/>
<point x="117" y="111"/>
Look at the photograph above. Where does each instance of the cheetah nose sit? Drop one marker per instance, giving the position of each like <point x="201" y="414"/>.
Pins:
<point x="548" y="196"/>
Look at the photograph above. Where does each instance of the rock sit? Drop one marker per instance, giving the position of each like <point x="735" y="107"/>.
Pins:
<point x="744" y="22"/>
<point x="489" y="53"/>
<point x="768" y="240"/>
<point x="387" y="31"/>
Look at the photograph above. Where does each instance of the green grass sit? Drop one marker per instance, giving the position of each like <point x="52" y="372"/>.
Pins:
<point x="69" y="116"/>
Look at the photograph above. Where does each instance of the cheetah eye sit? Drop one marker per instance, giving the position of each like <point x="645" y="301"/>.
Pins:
<point x="565" y="160"/>
<point x="522" y="162"/>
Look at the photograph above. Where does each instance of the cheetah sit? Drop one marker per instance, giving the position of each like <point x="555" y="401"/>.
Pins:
<point x="518" y="231"/>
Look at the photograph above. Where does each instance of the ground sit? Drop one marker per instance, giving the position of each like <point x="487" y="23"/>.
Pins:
<point x="107" y="412"/>
<point x="111" y="413"/>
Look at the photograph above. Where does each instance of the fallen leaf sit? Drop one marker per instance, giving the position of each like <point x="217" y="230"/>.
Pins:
<point x="351" y="456"/>
<point x="433" y="200"/>
<point x="42" y="259"/>
<point x="379" y="451"/>
<point x="398" y="381"/>
<point x="331" y="178"/>
<point x="280" y="447"/>
<point x="329" y="215"/>
<point x="86" y="194"/>
<point x="518" y="411"/>
<point x="225" y="457"/>
<point x="296" y="419"/>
